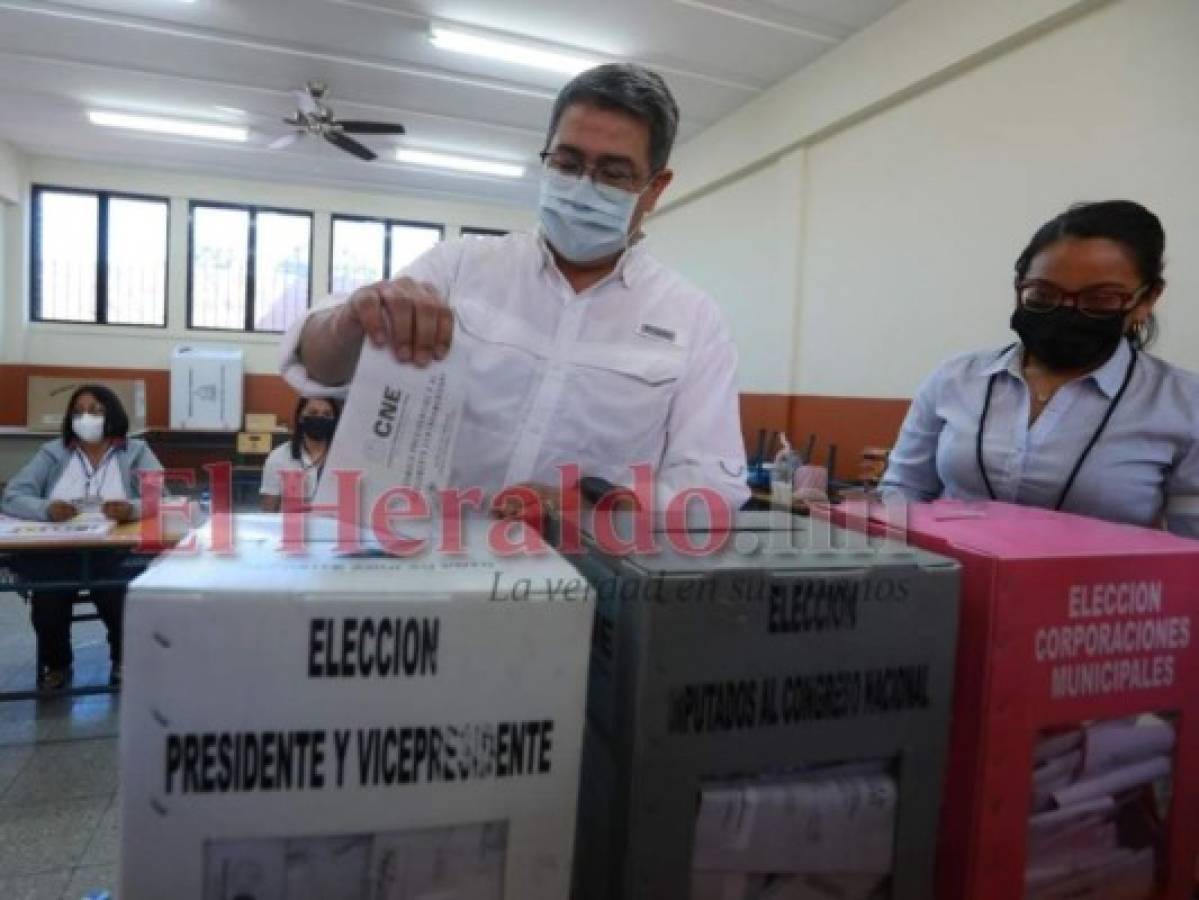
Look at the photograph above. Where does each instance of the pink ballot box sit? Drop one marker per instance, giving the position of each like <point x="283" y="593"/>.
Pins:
<point x="1074" y="758"/>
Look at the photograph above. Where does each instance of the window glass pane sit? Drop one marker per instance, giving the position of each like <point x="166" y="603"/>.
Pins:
<point x="219" y="239"/>
<point x="408" y="242"/>
<point x="137" y="259"/>
<point x="281" y="269"/>
<point x="483" y="232"/>
<point x="69" y="228"/>
<point x="357" y="254"/>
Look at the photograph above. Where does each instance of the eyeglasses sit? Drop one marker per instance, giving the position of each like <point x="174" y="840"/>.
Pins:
<point x="606" y="173"/>
<point x="1101" y="302"/>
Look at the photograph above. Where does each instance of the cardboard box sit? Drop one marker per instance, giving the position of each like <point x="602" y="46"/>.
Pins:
<point x="251" y="444"/>
<point x="46" y="400"/>
<point x="206" y="387"/>
<point x="261" y="422"/>
<point x="796" y="645"/>
<point x="1036" y="654"/>
<point x="466" y="745"/>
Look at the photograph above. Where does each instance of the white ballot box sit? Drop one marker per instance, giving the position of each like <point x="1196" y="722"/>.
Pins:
<point x="348" y="725"/>
<point x="206" y="387"/>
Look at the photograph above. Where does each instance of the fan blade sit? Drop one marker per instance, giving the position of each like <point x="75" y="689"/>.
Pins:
<point x="348" y="144"/>
<point x="287" y="140"/>
<point x="356" y="126"/>
<point x="307" y="105"/>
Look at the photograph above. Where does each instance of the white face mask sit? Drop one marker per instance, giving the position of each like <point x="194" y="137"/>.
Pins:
<point x="584" y="221"/>
<point x="88" y="427"/>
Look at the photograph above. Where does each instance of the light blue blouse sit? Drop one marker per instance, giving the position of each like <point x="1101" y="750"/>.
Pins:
<point x="1144" y="470"/>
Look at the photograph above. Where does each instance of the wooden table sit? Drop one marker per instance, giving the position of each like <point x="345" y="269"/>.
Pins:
<point x="123" y="537"/>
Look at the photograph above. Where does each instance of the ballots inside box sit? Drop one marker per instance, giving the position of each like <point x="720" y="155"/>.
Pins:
<point x="464" y="862"/>
<point x="1099" y="803"/>
<point x="397" y="430"/>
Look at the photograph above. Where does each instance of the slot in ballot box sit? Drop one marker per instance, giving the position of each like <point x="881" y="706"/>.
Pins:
<point x="727" y="676"/>
<point x="1073" y="631"/>
<point x="351" y="725"/>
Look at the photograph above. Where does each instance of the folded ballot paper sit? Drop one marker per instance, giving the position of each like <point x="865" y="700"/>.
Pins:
<point x="398" y="428"/>
<point x="1095" y="829"/>
<point x="824" y="835"/>
<point x="453" y="863"/>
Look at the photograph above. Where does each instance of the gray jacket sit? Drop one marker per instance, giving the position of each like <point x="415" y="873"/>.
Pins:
<point x="26" y="494"/>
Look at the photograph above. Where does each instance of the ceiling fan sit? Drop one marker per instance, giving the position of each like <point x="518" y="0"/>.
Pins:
<point x="313" y="117"/>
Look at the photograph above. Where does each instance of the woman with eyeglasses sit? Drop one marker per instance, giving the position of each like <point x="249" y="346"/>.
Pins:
<point x="1075" y="415"/>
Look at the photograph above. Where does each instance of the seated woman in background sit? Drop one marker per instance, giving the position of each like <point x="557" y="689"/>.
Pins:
<point x="93" y="467"/>
<point x="1074" y="416"/>
<point x="313" y="425"/>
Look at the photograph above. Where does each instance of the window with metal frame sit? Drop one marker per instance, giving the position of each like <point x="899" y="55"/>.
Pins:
<point x="249" y="267"/>
<point x="365" y="250"/>
<point x="468" y="231"/>
<point x="98" y="257"/>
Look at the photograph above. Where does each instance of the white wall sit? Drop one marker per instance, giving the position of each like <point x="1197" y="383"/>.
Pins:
<point x="12" y="188"/>
<point x="913" y="46"/>
<point x="11" y="173"/>
<point x="54" y="344"/>
<point x="910" y="216"/>
<point x="915" y="217"/>
<point x="740" y="244"/>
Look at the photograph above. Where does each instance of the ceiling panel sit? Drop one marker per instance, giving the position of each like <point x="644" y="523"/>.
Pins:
<point x="193" y="59"/>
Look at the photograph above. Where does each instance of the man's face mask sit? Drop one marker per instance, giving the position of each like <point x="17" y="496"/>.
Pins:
<point x="583" y="221"/>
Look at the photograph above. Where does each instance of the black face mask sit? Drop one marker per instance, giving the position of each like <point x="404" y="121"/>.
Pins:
<point x="319" y="428"/>
<point x="1065" y="340"/>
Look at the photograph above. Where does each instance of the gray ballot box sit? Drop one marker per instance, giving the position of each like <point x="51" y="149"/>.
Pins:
<point x="795" y="645"/>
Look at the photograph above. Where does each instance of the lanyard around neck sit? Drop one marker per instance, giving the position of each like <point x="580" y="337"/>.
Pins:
<point x="94" y="474"/>
<point x="1111" y="408"/>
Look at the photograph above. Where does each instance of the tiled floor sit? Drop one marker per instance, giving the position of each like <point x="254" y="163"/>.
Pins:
<point x="59" y="825"/>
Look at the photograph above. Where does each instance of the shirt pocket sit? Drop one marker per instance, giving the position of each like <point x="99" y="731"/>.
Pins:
<point x="504" y="360"/>
<point x="618" y="400"/>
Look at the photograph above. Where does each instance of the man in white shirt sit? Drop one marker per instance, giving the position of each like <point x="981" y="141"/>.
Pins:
<point x="582" y="349"/>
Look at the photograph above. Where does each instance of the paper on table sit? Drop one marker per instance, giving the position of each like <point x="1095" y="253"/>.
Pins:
<point x="843" y="825"/>
<point x="1113" y="782"/>
<point x="1118" y="743"/>
<point x="79" y="527"/>
<point x="398" y="427"/>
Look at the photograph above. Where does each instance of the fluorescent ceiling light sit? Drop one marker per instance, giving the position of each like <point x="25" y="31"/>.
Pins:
<point x="459" y="163"/>
<point x="158" y="125"/>
<point x="506" y="51"/>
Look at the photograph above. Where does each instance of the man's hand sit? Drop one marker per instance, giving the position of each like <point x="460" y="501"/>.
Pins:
<point x="61" y="510"/>
<point x="530" y="502"/>
<point x="406" y="314"/>
<point x="117" y="510"/>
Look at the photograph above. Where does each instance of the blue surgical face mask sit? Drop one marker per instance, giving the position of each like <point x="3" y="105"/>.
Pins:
<point x="583" y="221"/>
